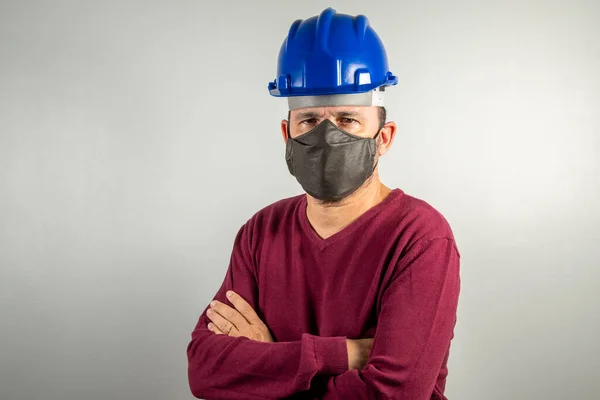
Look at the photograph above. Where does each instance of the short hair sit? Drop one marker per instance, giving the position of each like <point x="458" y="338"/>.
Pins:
<point x="382" y="116"/>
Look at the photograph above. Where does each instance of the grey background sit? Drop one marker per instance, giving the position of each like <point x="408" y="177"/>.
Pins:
<point x="137" y="136"/>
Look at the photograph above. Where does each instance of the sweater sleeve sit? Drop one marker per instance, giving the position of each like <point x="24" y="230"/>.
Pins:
<point x="224" y="367"/>
<point x="414" y="329"/>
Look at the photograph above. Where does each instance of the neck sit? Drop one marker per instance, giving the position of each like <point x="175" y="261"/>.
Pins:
<point x="328" y="218"/>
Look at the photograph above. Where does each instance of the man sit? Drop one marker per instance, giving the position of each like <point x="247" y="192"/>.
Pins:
<point x="350" y="290"/>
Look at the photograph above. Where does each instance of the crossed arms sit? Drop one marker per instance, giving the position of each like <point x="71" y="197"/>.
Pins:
<point x="412" y="338"/>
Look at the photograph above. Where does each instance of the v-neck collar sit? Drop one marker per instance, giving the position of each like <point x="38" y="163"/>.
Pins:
<point x="321" y="243"/>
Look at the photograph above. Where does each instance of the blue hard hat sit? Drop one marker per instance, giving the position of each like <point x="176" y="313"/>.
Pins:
<point x="331" y="54"/>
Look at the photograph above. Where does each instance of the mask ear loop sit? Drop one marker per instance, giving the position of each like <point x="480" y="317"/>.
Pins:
<point x="375" y="137"/>
<point x="379" y="130"/>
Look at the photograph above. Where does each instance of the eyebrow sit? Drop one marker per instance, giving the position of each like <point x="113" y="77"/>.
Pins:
<point x="349" y="114"/>
<point x="313" y="114"/>
<point x="308" y="114"/>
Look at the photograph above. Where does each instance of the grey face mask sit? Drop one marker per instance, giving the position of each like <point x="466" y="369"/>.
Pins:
<point x="330" y="163"/>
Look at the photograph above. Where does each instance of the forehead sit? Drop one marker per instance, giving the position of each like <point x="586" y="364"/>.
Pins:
<point x="335" y="111"/>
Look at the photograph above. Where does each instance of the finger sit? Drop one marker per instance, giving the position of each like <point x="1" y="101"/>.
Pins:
<point x="213" y="328"/>
<point x="244" y="308"/>
<point x="218" y="320"/>
<point x="230" y="314"/>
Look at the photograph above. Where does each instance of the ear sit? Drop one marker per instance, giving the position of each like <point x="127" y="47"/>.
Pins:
<point x="387" y="134"/>
<point x="284" y="125"/>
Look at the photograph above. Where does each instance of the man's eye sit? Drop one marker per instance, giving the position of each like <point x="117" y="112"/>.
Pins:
<point x="348" y="120"/>
<point x="309" y="121"/>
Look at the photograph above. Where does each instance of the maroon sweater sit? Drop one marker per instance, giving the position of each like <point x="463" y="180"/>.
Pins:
<point x="391" y="275"/>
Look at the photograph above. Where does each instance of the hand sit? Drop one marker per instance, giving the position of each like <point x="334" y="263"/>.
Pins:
<point x="358" y="352"/>
<point x="241" y="321"/>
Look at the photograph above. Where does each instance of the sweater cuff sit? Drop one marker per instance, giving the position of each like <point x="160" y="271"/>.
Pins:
<point x="331" y="354"/>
